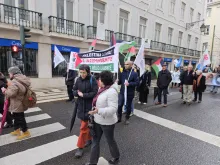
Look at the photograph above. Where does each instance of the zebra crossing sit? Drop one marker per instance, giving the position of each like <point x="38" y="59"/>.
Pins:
<point x="49" y="95"/>
<point x="43" y="152"/>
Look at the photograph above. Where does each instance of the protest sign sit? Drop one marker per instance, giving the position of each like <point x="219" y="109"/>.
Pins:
<point x="212" y="79"/>
<point x="97" y="60"/>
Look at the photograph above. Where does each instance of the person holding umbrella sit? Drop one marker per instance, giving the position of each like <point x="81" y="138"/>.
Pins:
<point x="3" y="84"/>
<point x="104" y="110"/>
<point x="85" y="89"/>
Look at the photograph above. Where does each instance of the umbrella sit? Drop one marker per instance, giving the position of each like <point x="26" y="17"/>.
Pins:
<point x="74" y="113"/>
<point x="155" y="93"/>
<point x="6" y="105"/>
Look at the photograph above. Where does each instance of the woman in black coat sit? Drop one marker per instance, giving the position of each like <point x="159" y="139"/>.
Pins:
<point x="145" y="81"/>
<point x="199" y="85"/>
<point x="3" y="83"/>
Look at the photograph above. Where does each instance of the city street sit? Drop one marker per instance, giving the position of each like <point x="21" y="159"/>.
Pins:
<point x="176" y="135"/>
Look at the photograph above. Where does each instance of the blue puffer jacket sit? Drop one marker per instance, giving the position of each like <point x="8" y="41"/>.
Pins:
<point x="133" y="82"/>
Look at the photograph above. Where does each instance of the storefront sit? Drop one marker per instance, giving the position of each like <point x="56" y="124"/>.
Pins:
<point x="186" y="62"/>
<point x="65" y="51"/>
<point x="7" y="59"/>
<point x="168" y="61"/>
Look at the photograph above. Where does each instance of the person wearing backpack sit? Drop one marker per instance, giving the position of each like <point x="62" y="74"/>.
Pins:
<point x="16" y="93"/>
<point x="85" y="89"/>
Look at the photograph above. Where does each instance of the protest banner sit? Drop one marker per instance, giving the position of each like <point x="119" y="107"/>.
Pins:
<point x="97" y="60"/>
<point x="175" y="77"/>
<point x="212" y="79"/>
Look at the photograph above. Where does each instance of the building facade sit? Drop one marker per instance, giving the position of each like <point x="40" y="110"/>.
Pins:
<point x="71" y="25"/>
<point x="211" y="20"/>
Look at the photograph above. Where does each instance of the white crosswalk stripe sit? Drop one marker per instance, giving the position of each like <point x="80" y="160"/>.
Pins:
<point x="41" y="153"/>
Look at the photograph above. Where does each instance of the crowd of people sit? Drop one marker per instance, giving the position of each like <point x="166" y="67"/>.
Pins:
<point x="99" y="104"/>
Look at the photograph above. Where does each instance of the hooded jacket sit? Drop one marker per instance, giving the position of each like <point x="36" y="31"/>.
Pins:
<point x="15" y="93"/>
<point x="107" y="105"/>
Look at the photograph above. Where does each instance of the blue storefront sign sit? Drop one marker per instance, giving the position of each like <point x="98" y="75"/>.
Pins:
<point x="10" y="42"/>
<point x="167" y="59"/>
<point x="186" y="61"/>
<point x="194" y="62"/>
<point x="62" y="48"/>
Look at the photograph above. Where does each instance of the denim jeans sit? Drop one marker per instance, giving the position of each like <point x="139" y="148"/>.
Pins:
<point x="132" y="107"/>
<point x="214" y="89"/>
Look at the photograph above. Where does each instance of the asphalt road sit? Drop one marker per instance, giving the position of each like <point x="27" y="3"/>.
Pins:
<point x="161" y="136"/>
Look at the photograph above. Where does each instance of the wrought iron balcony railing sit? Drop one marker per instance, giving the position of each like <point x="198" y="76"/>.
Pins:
<point x="21" y="17"/>
<point x="124" y="37"/>
<point x="91" y="33"/>
<point x="60" y="25"/>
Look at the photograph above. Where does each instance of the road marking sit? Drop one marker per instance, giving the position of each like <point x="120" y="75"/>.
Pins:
<point x="42" y="153"/>
<point x="197" y="134"/>
<point x="52" y="97"/>
<point x="52" y="100"/>
<point x="45" y="152"/>
<point x="30" y="110"/>
<point x="35" y="132"/>
<point x="31" y="119"/>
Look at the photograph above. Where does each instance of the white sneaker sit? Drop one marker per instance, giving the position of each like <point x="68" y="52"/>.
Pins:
<point x="139" y="102"/>
<point x="145" y="103"/>
<point x="131" y="114"/>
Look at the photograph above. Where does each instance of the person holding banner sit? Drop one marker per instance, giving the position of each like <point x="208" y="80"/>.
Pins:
<point x="85" y="89"/>
<point x="128" y="81"/>
<point x="199" y="85"/>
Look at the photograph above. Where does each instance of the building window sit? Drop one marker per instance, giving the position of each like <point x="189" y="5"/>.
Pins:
<point x="123" y="21"/>
<point x="172" y="9"/>
<point x="209" y="1"/>
<point x="69" y="10"/>
<point x="7" y="60"/>
<point x="180" y="38"/>
<point x="160" y="4"/>
<point x="60" y="14"/>
<point x="183" y="8"/>
<point x="170" y="35"/>
<point x="198" y="18"/>
<point x="205" y="46"/>
<point x="196" y="43"/>
<point x="191" y="14"/>
<point x="142" y="27"/>
<point x="157" y="32"/>
<point x="188" y="40"/>
<point x="9" y="11"/>
<point x="208" y="12"/>
<point x="98" y="13"/>
<point x="23" y="4"/>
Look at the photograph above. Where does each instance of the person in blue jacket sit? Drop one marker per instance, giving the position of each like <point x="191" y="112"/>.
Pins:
<point x="129" y="79"/>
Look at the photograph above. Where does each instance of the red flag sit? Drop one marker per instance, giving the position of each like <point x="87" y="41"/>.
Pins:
<point x="78" y="60"/>
<point x="6" y="106"/>
<point x="113" y="40"/>
<point x="92" y="47"/>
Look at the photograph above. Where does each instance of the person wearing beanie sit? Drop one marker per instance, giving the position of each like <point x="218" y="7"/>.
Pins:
<point x="16" y="93"/>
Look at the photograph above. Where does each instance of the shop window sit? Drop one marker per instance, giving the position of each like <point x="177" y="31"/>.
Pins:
<point x="7" y="60"/>
<point x="62" y="67"/>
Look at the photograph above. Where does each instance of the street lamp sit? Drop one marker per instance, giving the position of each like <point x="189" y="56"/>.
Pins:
<point x="203" y="28"/>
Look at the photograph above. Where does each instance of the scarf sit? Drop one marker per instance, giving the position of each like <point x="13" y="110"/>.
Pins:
<point x="97" y="95"/>
<point x="198" y="80"/>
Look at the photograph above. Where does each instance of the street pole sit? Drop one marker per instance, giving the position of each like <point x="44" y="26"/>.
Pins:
<point x="213" y="40"/>
<point x="24" y="59"/>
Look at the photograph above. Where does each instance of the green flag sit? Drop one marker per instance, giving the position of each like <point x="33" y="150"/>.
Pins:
<point x="126" y="46"/>
<point x="131" y="52"/>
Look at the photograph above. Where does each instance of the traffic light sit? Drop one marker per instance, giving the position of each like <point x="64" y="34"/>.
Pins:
<point x="24" y="35"/>
<point x="15" y="51"/>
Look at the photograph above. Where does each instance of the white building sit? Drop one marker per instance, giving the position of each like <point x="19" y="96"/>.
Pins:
<point x="212" y="19"/>
<point x="71" y="24"/>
